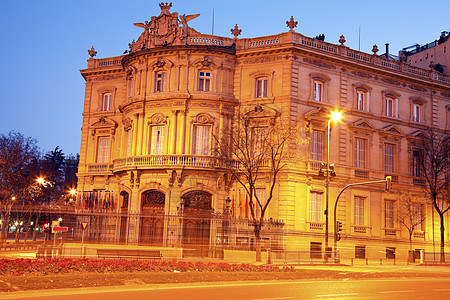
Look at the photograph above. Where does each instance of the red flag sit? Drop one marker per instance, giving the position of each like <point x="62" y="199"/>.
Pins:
<point x="246" y="205"/>
<point x="232" y="208"/>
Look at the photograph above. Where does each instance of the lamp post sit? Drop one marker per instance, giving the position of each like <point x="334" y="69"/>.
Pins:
<point x="335" y="116"/>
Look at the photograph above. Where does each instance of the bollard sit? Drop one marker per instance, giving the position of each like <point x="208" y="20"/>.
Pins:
<point x="352" y="261"/>
<point x="269" y="261"/>
<point x="381" y="261"/>
<point x="367" y="261"/>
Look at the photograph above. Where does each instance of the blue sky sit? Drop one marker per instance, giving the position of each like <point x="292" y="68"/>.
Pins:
<point x="45" y="44"/>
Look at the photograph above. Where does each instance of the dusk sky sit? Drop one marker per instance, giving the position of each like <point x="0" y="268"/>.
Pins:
<point x="45" y="45"/>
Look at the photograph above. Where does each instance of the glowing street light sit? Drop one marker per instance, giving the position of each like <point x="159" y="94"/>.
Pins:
<point x="72" y="192"/>
<point x="40" y="180"/>
<point x="335" y="116"/>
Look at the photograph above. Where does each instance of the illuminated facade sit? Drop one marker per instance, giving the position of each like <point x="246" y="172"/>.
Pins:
<point x="150" y="117"/>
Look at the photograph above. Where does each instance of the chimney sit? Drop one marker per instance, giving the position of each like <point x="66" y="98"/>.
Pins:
<point x="387" y="50"/>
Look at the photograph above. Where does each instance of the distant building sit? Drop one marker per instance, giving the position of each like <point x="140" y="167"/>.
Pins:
<point x="147" y="174"/>
<point x="434" y="55"/>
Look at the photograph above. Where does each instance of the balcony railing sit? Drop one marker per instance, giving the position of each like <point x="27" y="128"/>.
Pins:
<point x="362" y="229"/>
<point x="99" y="168"/>
<point x="163" y="161"/>
<point x="362" y="174"/>
<point x="316" y="225"/>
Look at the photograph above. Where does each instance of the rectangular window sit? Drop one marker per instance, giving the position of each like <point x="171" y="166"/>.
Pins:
<point x="318" y="90"/>
<point x="160" y="79"/>
<point x="417" y="216"/>
<point x="201" y="140"/>
<point x="416" y="164"/>
<point x="389" y="158"/>
<point x="157" y="140"/>
<point x="130" y="86"/>
<point x="359" y="210"/>
<point x="360" y="251"/>
<point x="316" y="144"/>
<point x="103" y="149"/>
<point x="315" y="207"/>
<point x="390" y="252"/>
<point x="360" y="153"/>
<point x="261" y="88"/>
<point x="204" y="81"/>
<point x="315" y="249"/>
<point x="416" y="112"/>
<point x="258" y="140"/>
<point x="128" y="133"/>
<point x="389" y="214"/>
<point x="360" y="99"/>
<point x="390" y="107"/>
<point x="106" y="102"/>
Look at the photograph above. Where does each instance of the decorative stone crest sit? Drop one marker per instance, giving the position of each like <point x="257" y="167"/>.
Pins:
<point x="236" y="31"/>
<point x="92" y="52"/>
<point x="160" y="63"/>
<point x="158" y="118"/>
<point x="291" y="24"/>
<point x="163" y="30"/>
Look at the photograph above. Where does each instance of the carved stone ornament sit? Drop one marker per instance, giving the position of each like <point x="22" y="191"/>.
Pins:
<point x="375" y="49"/>
<point x="127" y="124"/>
<point x="203" y="119"/>
<point x="160" y="63"/>
<point x="236" y="31"/>
<point x="342" y="40"/>
<point x="206" y="61"/>
<point x="291" y="24"/>
<point x="158" y="118"/>
<point x="92" y="52"/>
<point x="164" y="29"/>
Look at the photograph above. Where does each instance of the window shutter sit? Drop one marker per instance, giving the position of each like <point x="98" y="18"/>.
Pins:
<point x="265" y="88"/>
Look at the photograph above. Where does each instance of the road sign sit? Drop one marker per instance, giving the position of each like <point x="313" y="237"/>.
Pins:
<point x="84" y="225"/>
<point x="60" y="228"/>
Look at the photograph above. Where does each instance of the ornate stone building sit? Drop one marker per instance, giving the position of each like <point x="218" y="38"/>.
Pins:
<point x="147" y="174"/>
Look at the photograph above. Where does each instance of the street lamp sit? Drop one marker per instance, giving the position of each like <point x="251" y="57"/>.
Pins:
<point x="335" y="116"/>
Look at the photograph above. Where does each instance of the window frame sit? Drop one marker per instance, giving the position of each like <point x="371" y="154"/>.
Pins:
<point x="160" y="82"/>
<point x="196" y="148"/>
<point x="389" y="214"/>
<point x="103" y="149"/>
<point x="316" y="147"/>
<point x="360" y="161"/>
<point x="204" y="82"/>
<point x="106" y="102"/>
<point x="318" y="87"/>
<point x="157" y="144"/>
<point x="389" y="158"/>
<point x="262" y="87"/>
<point x="359" y="210"/>
<point x="315" y="206"/>
<point x="415" y="163"/>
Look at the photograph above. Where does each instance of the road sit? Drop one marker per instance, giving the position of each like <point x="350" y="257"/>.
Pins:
<point x="308" y="289"/>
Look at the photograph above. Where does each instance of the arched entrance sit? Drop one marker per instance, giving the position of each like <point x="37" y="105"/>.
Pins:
<point x="152" y="218"/>
<point x="197" y="220"/>
<point x="124" y="198"/>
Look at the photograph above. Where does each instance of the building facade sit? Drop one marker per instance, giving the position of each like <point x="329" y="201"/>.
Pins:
<point x="148" y="174"/>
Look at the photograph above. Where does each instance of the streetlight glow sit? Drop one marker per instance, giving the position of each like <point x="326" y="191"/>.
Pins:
<point x="40" y="180"/>
<point x="72" y="192"/>
<point x="336" y="116"/>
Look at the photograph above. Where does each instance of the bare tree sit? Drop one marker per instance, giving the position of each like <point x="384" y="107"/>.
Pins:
<point x="16" y="154"/>
<point x="409" y="213"/>
<point x="255" y="149"/>
<point x="434" y="166"/>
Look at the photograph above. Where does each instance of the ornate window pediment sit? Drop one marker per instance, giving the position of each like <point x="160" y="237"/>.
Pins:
<point x="416" y="136"/>
<point x="391" y="130"/>
<point x="362" y="125"/>
<point x="103" y="124"/>
<point x="203" y="118"/>
<point x="158" y="118"/>
<point x="261" y="115"/>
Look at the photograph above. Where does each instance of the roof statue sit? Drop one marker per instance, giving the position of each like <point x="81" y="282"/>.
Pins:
<point x="164" y="29"/>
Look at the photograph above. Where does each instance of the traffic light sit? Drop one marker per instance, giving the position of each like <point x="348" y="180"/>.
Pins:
<point x="332" y="171"/>
<point x="339" y="226"/>
<point x="388" y="183"/>
<point x="338" y="237"/>
<point x="46" y="226"/>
